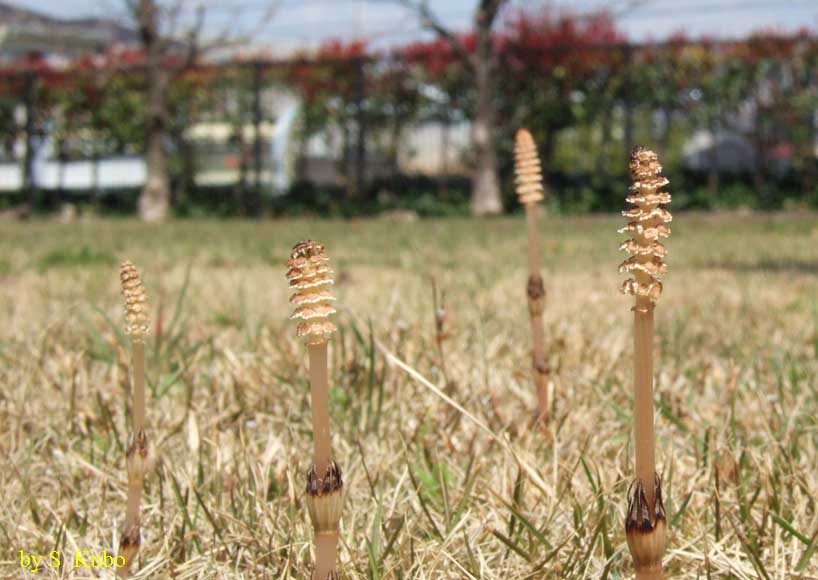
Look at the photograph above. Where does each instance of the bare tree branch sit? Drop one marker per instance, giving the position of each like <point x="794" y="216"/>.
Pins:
<point x="479" y="65"/>
<point x="193" y="48"/>
<point x="431" y="22"/>
<point x="191" y="42"/>
<point x="228" y="37"/>
<point x="171" y="16"/>
<point x="146" y="20"/>
<point x="484" y="18"/>
<point x="627" y="7"/>
<point x="132" y="7"/>
<point x="488" y="11"/>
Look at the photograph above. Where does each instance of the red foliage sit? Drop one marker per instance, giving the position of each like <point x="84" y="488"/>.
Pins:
<point x="437" y="58"/>
<point x="335" y="49"/>
<point x="329" y="70"/>
<point x="772" y="44"/>
<point x="550" y="39"/>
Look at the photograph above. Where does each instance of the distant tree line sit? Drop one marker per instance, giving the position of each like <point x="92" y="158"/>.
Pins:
<point x="585" y="92"/>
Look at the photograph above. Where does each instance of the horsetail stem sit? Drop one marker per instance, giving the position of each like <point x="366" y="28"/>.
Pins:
<point x="310" y="276"/>
<point x="529" y="187"/>
<point x="137" y="456"/>
<point x="646" y="523"/>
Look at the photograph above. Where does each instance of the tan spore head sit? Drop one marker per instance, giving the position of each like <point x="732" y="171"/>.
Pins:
<point x="527" y="169"/>
<point x="136" y="301"/>
<point x="310" y="276"/>
<point x="647" y="225"/>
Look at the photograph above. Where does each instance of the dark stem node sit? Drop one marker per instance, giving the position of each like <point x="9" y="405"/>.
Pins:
<point x="640" y="516"/>
<point x="330" y="482"/>
<point x="536" y="294"/>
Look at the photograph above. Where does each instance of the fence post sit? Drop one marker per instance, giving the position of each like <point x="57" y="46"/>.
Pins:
<point x="445" y="134"/>
<point x="257" y="119"/>
<point x="30" y="106"/>
<point x="628" y="98"/>
<point x="360" y="119"/>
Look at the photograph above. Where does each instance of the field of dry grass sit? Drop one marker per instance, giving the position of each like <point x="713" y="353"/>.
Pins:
<point x="434" y="490"/>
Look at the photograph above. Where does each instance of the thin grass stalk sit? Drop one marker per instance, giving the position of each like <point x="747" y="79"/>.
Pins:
<point x="439" y="305"/>
<point x="310" y="276"/>
<point x="137" y="456"/>
<point x="646" y="523"/>
<point x="530" y="191"/>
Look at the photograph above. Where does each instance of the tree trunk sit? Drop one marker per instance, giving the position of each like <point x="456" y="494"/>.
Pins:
<point x="480" y="65"/>
<point x="485" y="182"/>
<point x="154" y="201"/>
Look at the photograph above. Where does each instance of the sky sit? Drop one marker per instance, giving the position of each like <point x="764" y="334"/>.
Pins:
<point x="305" y="23"/>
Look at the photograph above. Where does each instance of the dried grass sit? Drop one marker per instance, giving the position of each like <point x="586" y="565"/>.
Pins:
<point x="432" y="493"/>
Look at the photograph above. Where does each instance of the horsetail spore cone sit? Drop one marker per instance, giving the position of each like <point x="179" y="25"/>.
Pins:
<point x="528" y="181"/>
<point x="137" y="457"/>
<point x="646" y="524"/>
<point x="310" y="276"/>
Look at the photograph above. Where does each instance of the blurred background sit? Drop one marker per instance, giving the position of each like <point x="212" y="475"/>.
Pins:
<point x="354" y="107"/>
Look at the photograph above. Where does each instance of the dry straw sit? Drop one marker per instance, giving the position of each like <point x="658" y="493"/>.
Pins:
<point x="529" y="186"/>
<point x="138" y="459"/>
<point x="310" y="276"/>
<point x="646" y="524"/>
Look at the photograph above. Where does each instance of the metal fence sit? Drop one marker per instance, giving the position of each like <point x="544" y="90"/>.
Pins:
<point x="729" y="110"/>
